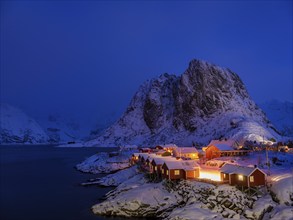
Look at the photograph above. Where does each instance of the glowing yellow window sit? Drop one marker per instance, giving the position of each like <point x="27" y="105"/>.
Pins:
<point x="240" y="177"/>
<point x="167" y="172"/>
<point x="251" y="179"/>
<point x="162" y="171"/>
<point x="176" y="172"/>
<point x="224" y="175"/>
<point x="156" y="168"/>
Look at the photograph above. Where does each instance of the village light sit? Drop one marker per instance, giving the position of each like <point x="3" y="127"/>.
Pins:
<point x="212" y="175"/>
<point x="240" y="177"/>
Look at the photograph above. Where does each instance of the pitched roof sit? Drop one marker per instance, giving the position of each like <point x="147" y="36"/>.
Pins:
<point x="215" y="163"/>
<point x="235" y="169"/>
<point x="189" y="164"/>
<point x="186" y="150"/>
<point x="223" y="144"/>
<point x="161" y="160"/>
<point x="152" y="156"/>
<point x="144" y="155"/>
<point x="181" y="164"/>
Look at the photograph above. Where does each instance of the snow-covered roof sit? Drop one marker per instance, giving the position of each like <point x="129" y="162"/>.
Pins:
<point x="235" y="169"/>
<point x="223" y="145"/>
<point x="186" y="150"/>
<point x="214" y="163"/>
<point x="160" y="160"/>
<point x="152" y="156"/>
<point x="135" y="154"/>
<point x="144" y="155"/>
<point x="189" y="164"/>
<point x="181" y="164"/>
<point x="145" y="148"/>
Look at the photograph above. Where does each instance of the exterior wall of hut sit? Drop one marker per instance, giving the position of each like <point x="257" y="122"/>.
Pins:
<point x="171" y="174"/>
<point x="164" y="172"/>
<point x="225" y="177"/>
<point x="177" y="177"/>
<point x="212" y="152"/>
<point x="191" y="174"/>
<point x="159" y="169"/>
<point x="259" y="178"/>
<point x="236" y="181"/>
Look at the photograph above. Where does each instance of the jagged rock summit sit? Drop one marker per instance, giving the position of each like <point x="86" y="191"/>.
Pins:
<point x="205" y="102"/>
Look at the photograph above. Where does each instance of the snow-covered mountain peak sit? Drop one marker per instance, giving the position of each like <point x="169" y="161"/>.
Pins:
<point x="205" y="102"/>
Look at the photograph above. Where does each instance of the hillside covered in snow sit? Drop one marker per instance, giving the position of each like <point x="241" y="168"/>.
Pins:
<point x="280" y="114"/>
<point x="205" y="102"/>
<point x="60" y="130"/>
<point x="17" y="127"/>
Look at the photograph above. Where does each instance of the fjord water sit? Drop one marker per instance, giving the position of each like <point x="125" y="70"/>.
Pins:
<point x="40" y="182"/>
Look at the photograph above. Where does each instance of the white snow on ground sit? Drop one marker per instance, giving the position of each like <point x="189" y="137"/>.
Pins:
<point x="282" y="213"/>
<point x="283" y="188"/>
<point x="136" y="200"/>
<point x="105" y="163"/>
<point x="193" y="212"/>
<point x="189" y="200"/>
<point x="186" y="200"/>
<point x="118" y="178"/>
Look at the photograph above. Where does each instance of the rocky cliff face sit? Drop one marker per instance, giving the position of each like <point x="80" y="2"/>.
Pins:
<point x="206" y="102"/>
<point x="17" y="127"/>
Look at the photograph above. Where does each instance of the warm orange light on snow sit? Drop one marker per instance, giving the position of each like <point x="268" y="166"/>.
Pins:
<point x="210" y="174"/>
<point x="280" y="177"/>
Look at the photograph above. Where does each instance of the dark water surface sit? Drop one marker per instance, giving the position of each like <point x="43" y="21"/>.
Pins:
<point x="40" y="182"/>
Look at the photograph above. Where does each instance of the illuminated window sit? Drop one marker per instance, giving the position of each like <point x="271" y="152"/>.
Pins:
<point x="167" y="172"/>
<point x="224" y="175"/>
<point x="162" y="171"/>
<point x="156" y="168"/>
<point x="240" y="177"/>
<point x="176" y="172"/>
<point x="251" y="179"/>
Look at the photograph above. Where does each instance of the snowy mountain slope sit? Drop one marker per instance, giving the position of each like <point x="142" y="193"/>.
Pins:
<point x="280" y="114"/>
<point x="61" y="130"/>
<point x="206" y="102"/>
<point x="17" y="127"/>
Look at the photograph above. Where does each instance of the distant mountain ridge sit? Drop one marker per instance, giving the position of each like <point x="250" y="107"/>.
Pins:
<point x="205" y="102"/>
<point x="280" y="114"/>
<point x="17" y="127"/>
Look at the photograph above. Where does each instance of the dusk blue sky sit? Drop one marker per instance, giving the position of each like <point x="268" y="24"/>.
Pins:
<point x="86" y="59"/>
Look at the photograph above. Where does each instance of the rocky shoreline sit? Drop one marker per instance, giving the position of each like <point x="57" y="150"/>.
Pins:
<point x="183" y="200"/>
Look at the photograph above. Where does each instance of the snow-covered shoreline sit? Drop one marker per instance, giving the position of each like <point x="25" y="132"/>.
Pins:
<point x="183" y="200"/>
<point x="137" y="196"/>
<point x="105" y="162"/>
